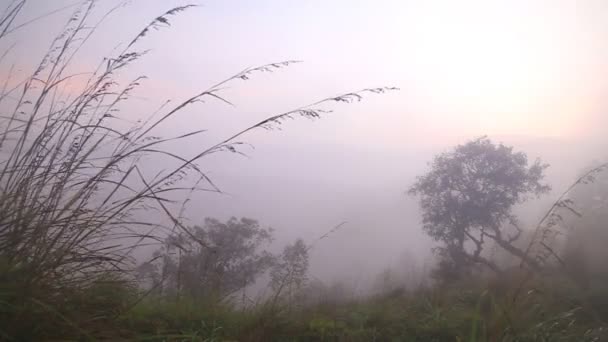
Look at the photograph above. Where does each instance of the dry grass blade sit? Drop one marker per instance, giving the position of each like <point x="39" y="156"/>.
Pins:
<point x="161" y="20"/>
<point x="546" y="227"/>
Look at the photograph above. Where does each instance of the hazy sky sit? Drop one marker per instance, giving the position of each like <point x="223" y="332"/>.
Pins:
<point x="529" y="73"/>
<point x="475" y="66"/>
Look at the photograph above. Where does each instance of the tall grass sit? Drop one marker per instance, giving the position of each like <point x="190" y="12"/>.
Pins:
<point x="71" y="182"/>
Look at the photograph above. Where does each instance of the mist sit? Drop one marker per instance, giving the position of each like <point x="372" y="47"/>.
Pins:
<point x="530" y="75"/>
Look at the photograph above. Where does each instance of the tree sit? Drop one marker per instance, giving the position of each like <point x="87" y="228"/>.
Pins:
<point x="467" y="199"/>
<point x="215" y="260"/>
<point x="289" y="274"/>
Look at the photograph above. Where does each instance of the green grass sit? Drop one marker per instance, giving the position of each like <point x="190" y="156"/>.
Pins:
<point x="458" y="313"/>
<point x="545" y="309"/>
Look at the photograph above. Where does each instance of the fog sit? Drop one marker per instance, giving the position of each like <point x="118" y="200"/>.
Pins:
<point x="530" y="74"/>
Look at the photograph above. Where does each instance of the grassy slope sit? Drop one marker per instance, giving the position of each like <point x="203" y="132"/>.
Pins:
<point x="480" y="310"/>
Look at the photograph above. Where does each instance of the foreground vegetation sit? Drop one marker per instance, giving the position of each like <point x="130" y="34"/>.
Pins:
<point x="480" y="310"/>
<point x="466" y="312"/>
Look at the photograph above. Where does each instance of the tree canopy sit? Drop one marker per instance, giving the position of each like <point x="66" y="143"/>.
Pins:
<point x="216" y="259"/>
<point x="467" y="199"/>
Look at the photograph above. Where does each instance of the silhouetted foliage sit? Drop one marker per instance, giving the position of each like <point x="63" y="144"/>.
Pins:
<point x="292" y="265"/>
<point x="467" y="199"/>
<point x="222" y="258"/>
<point x="289" y="274"/>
